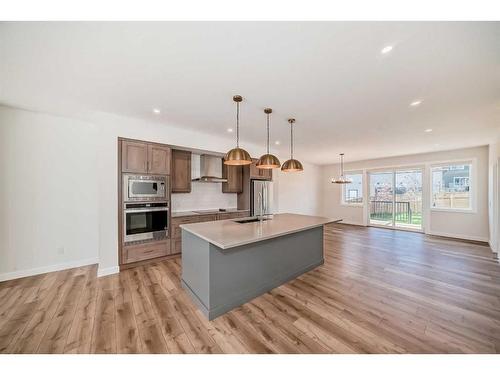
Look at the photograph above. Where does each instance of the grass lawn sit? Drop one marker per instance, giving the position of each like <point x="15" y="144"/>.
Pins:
<point x="416" y="218"/>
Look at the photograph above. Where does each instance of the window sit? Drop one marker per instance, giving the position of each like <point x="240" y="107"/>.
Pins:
<point x="353" y="193"/>
<point x="451" y="186"/>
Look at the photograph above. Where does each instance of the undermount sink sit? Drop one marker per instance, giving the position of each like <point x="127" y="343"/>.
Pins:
<point x="250" y="220"/>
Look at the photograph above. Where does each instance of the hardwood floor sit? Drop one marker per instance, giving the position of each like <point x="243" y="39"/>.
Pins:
<point x="379" y="291"/>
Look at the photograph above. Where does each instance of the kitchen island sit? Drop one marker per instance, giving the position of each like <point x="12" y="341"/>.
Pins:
<point x="227" y="263"/>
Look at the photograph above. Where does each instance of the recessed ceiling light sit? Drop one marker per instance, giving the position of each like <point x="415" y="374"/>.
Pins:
<point x="229" y="130"/>
<point x="277" y="142"/>
<point x="437" y="144"/>
<point x="156" y="111"/>
<point x="386" y="49"/>
<point x="416" y="103"/>
<point x="428" y="130"/>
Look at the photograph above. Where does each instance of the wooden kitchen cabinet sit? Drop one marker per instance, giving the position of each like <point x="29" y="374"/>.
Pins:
<point x="234" y="175"/>
<point x="203" y="218"/>
<point x="159" y="159"/>
<point x="233" y="215"/>
<point x="267" y="174"/>
<point x="136" y="253"/>
<point x="181" y="171"/>
<point x="144" y="157"/>
<point x="176" y="231"/>
<point x="261" y="174"/>
<point x="134" y="157"/>
<point x="254" y="171"/>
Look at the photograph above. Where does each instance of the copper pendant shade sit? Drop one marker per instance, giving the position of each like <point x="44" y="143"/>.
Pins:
<point x="237" y="156"/>
<point x="292" y="165"/>
<point x="268" y="161"/>
<point x="342" y="179"/>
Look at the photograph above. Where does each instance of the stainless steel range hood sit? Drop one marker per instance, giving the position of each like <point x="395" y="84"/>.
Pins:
<point x="206" y="168"/>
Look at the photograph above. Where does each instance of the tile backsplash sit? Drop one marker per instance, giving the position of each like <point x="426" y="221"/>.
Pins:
<point x="203" y="196"/>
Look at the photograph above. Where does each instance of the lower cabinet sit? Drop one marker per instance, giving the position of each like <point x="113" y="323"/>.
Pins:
<point x="176" y="245"/>
<point x="136" y="253"/>
<point x="176" y="231"/>
<point x="233" y="215"/>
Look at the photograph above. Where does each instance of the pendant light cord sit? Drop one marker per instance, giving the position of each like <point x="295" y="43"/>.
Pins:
<point x="237" y="124"/>
<point x="268" y="133"/>
<point x="291" y="141"/>
<point x="341" y="165"/>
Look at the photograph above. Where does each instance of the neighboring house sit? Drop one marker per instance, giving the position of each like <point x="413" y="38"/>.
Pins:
<point x="456" y="179"/>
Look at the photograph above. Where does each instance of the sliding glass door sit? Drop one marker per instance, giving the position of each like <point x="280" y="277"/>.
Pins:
<point x="408" y="199"/>
<point x="396" y="199"/>
<point x="381" y="199"/>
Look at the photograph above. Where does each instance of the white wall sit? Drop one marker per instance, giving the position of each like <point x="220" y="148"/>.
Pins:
<point x="299" y="192"/>
<point x="49" y="214"/>
<point x="456" y="224"/>
<point x="494" y="195"/>
<point x="77" y="210"/>
<point x="203" y="196"/>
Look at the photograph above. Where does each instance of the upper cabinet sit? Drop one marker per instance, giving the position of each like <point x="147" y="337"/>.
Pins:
<point x="144" y="157"/>
<point x="234" y="175"/>
<point x="159" y="159"/>
<point x="267" y="174"/>
<point x="181" y="171"/>
<point x="134" y="157"/>
<point x="254" y="171"/>
<point x="261" y="174"/>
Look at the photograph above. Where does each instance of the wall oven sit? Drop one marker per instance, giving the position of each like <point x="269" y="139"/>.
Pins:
<point x="145" y="221"/>
<point x="145" y="188"/>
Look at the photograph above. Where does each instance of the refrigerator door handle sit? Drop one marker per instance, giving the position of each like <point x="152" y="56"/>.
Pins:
<point x="265" y="188"/>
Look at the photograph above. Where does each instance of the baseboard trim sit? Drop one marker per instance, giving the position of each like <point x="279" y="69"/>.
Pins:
<point x="101" y="272"/>
<point x="493" y="247"/>
<point x="45" y="269"/>
<point x="459" y="236"/>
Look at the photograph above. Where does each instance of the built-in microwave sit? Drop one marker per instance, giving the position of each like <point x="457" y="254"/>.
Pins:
<point x="145" y="188"/>
<point x="145" y="221"/>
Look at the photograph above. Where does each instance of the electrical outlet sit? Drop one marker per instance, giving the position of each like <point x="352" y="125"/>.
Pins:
<point x="60" y="250"/>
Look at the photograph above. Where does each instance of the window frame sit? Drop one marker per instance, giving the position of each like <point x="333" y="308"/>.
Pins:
<point x="472" y="186"/>
<point x="344" y="186"/>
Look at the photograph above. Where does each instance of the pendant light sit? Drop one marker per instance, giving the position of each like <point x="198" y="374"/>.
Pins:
<point x="268" y="161"/>
<point x="237" y="156"/>
<point x="342" y="179"/>
<point x="291" y="165"/>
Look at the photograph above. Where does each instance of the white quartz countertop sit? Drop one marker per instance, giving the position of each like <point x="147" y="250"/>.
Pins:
<point x="227" y="233"/>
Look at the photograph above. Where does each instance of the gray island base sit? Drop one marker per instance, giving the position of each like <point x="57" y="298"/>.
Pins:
<point x="257" y="257"/>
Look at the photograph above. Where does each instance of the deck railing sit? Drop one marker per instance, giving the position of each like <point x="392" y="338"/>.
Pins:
<point x="382" y="210"/>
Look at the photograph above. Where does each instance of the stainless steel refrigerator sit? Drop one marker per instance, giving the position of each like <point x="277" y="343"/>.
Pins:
<point x="261" y="198"/>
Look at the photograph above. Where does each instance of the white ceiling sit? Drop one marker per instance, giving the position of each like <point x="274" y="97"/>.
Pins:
<point x="346" y="96"/>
